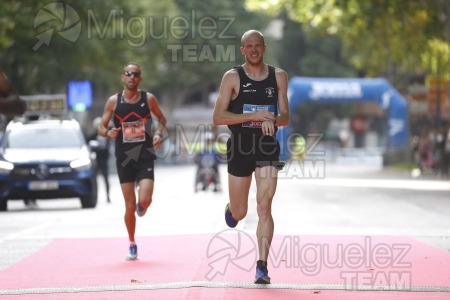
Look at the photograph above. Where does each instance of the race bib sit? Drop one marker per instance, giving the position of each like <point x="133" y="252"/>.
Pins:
<point x="250" y="108"/>
<point x="133" y="132"/>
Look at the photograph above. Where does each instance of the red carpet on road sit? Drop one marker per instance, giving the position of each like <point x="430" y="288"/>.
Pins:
<point x="222" y="266"/>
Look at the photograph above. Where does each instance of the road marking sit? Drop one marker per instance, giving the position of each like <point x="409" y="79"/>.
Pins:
<point x="212" y="284"/>
<point x="423" y="185"/>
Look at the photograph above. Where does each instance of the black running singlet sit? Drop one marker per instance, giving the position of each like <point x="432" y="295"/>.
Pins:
<point x="135" y="140"/>
<point x="254" y="96"/>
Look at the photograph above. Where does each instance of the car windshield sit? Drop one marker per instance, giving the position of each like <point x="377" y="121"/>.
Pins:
<point x="43" y="138"/>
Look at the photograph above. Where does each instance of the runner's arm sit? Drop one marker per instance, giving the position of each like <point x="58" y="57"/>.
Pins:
<point x="103" y="128"/>
<point x="283" y="105"/>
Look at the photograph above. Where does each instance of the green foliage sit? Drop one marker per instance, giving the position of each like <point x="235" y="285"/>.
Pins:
<point x="306" y="53"/>
<point x="383" y="37"/>
<point x="6" y="24"/>
<point x="41" y="50"/>
<point x="36" y="67"/>
<point x="324" y="59"/>
<point x="436" y="58"/>
<point x="194" y="64"/>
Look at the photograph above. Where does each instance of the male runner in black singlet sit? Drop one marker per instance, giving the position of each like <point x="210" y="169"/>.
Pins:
<point x="135" y="143"/>
<point x="253" y="102"/>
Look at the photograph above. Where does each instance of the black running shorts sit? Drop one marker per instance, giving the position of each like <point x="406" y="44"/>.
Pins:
<point x="246" y="152"/>
<point x="135" y="171"/>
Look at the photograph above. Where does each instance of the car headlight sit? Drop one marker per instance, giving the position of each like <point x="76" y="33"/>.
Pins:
<point x="83" y="162"/>
<point x="6" y="167"/>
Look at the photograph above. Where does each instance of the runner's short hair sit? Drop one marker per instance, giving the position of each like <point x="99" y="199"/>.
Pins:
<point x="131" y="64"/>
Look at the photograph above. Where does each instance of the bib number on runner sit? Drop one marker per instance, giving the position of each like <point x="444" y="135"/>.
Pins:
<point x="251" y="108"/>
<point x="133" y="132"/>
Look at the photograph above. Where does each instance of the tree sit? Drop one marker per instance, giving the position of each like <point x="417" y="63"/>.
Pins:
<point x="74" y="40"/>
<point x="383" y="37"/>
<point x="175" y="42"/>
<point x="196" y="60"/>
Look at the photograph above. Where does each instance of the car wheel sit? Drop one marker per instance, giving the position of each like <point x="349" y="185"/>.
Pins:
<point x="3" y="204"/>
<point x="89" y="201"/>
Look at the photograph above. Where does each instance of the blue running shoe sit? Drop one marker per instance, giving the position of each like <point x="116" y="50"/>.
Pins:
<point x="262" y="276"/>
<point x="132" y="255"/>
<point x="229" y="218"/>
<point x="140" y="211"/>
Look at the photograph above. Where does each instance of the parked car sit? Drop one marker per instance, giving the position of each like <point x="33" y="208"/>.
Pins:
<point x="46" y="159"/>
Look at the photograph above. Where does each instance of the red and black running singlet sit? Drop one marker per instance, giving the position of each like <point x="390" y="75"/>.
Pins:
<point x="253" y="96"/>
<point x="136" y="123"/>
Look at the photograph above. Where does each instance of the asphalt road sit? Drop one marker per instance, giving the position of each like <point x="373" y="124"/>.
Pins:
<point x="315" y="199"/>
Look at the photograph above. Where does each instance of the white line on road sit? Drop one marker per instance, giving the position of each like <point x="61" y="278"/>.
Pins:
<point x="424" y="185"/>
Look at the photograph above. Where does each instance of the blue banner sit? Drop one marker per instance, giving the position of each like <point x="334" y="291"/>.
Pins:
<point x="308" y="89"/>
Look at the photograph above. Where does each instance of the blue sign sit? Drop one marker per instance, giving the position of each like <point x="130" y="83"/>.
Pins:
<point x="79" y="95"/>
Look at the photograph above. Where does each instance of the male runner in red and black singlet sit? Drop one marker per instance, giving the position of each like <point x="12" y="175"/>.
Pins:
<point x="136" y="139"/>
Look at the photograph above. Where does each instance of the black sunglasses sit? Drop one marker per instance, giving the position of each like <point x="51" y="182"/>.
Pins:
<point x="130" y="73"/>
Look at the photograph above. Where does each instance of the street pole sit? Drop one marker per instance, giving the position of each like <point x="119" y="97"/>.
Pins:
<point x="438" y="91"/>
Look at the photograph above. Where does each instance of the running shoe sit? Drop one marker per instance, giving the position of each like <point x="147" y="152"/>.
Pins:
<point x="262" y="276"/>
<point x="140" y="211"/>
<point x="132" y="254"/>
<point x="229" y="218"/>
